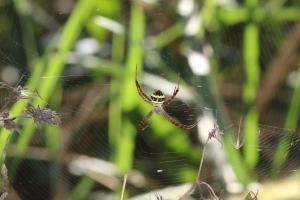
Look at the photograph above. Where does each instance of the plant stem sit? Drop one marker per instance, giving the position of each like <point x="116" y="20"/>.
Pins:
<point x="123" y="186"/>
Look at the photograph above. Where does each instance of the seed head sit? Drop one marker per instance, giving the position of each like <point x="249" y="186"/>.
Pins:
<point x="42" y="115"/>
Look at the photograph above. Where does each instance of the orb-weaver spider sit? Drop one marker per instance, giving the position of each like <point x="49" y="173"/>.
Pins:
<point x="159" y="102"/>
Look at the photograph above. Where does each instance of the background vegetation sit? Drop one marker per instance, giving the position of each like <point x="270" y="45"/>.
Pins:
<point x="238" y="65"/>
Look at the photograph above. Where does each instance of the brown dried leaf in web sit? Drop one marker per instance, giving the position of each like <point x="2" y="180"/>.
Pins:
<point x="42" y="115"/>
<point x="8" y="122"/>
<point x="215" y="133"/>
<point x="17" y="93"/>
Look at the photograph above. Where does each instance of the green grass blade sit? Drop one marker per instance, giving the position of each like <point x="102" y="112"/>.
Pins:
<point x="230" y="16"/>
<point x="290" y="124"/>
<point x="125" y="147"/>
<point x="251" y="138"/>
<point x="71" y="31"/>
<point x="252" y="72"/>
<point x="163" y="39"/>
<point x="82" y="188"/>
<point x="287" y="14"/>
<point x="115" y="103"/>
<point x="236" y="160"/>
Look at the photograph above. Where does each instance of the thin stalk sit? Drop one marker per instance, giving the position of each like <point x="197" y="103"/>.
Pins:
<point x="202" y="159"/>
<point x="195" y="184"/>
<point x="123" y="187"/>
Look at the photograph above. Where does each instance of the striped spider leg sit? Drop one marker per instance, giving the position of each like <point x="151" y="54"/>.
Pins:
<point x="177" y="123"/>
<point x="140" y="90"/>
<point x="157" y="100"/>
<point x="176" y="90"/>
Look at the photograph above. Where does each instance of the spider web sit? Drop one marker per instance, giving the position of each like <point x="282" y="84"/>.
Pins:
<point x="161" y="165"/>
<point x="38" y="172"/>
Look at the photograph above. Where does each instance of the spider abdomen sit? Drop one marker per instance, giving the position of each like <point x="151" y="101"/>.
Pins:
<point x="157" y="98"/>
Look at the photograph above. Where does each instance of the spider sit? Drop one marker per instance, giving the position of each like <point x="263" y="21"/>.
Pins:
<point x="159" y="102"/>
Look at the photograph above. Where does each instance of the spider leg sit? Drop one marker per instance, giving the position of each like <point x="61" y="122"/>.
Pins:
<point x="176" y="90"/>
<point x="143" y="124"/>
<point x="177" y="123"/>
<point x="140" y="90"/>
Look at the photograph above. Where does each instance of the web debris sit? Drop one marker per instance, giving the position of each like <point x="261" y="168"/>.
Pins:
<point x="214" y="133"/>
<point x="40" y="116"/>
